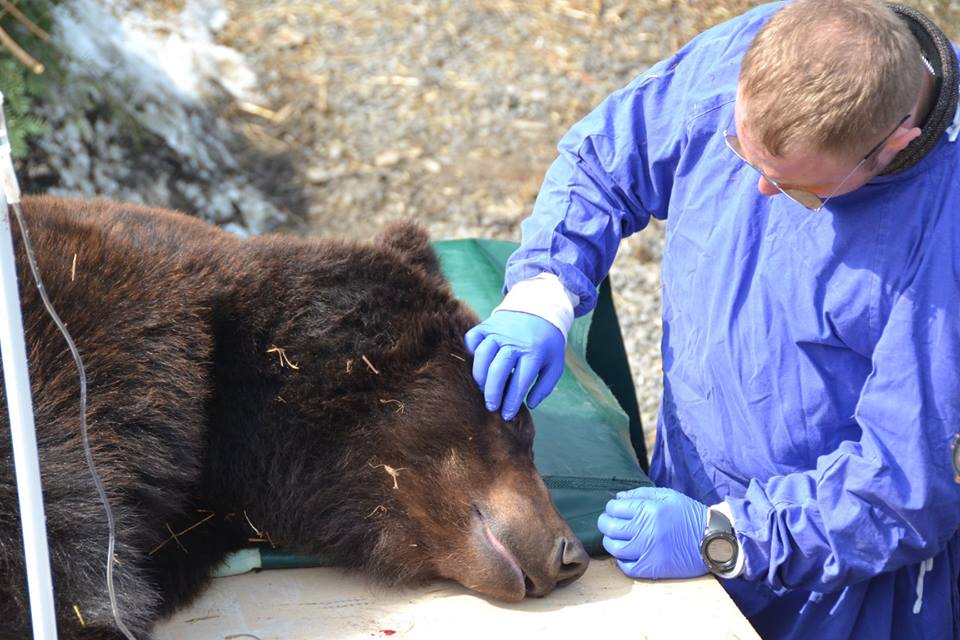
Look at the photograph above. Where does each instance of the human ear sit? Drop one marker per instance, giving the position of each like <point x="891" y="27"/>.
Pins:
<point x="901" y="138"/>
<point x="897" y="142"/>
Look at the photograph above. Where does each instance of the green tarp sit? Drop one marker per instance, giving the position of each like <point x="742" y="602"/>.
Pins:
<point x="589" y="442"/>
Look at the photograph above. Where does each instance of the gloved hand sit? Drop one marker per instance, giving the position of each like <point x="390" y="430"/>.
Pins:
<point x="655" y="533"/>
<point x="522" y="343"/>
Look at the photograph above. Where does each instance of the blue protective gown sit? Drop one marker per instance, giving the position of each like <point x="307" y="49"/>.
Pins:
<point x="811" y="360"/>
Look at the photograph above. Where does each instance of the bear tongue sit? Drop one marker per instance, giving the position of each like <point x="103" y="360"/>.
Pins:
<point x="504" y="577"/>
<point x="509" y="559"/>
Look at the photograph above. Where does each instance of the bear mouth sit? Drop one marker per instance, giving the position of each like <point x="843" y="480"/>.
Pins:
<point x="517" y="580"/>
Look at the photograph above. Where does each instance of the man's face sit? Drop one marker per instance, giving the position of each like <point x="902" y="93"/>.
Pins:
<point x="817" y="172"/>
<point x="820" y="173"/>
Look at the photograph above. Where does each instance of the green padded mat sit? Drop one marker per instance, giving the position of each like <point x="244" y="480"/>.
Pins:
<point x="589" y="441"/>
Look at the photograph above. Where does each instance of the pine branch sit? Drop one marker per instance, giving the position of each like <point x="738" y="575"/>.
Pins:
<point x="9" y="7"/>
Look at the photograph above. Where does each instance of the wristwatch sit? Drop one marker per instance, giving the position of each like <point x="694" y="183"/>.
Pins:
<point x="719" y="547"/>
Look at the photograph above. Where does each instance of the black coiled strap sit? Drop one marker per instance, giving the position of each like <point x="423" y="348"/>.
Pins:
<point x="939" y="52"/>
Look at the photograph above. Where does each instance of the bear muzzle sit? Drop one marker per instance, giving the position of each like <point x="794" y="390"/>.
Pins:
<point x="519" y="559"/>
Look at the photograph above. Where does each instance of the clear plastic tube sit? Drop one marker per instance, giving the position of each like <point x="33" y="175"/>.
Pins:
<point x="101" y="490"/>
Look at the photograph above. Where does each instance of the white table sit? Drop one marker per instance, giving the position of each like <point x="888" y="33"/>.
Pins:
<point x="309" y="604"/>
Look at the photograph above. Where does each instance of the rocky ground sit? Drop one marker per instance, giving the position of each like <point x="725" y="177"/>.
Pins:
<point x="445" y="111"/>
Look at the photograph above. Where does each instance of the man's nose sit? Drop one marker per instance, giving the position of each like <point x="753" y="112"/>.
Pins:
<point x="766" y="188"/>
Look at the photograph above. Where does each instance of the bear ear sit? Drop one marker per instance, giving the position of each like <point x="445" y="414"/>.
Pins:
<point x="413" y="243"/>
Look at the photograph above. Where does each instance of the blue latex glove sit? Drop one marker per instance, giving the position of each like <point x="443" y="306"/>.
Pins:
<point x="523" y="344"/>
<point x="655" y="533"/>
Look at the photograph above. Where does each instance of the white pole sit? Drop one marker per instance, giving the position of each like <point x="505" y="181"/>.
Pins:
<point x="17" y="385"/>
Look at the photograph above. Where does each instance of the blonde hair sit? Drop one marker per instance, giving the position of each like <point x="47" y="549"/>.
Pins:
<point x="829" y="76"/>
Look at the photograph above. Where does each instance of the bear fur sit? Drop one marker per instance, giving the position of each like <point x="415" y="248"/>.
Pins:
<point x="310" y="394"/>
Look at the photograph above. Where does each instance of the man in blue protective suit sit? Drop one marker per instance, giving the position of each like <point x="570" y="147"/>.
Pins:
<point x="804" y="157"/>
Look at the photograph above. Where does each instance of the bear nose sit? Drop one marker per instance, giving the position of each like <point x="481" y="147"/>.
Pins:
<point x="573" y="560"/>
<point x="568" y="562"/>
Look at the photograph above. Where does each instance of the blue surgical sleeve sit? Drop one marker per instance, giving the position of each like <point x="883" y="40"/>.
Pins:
<point x="888" y="499"/>
<point x="617" y="166"/>
<point x="614" y="171"/>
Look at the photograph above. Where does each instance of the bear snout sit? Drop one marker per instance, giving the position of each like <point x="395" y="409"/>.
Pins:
<point x="520" y="546"/>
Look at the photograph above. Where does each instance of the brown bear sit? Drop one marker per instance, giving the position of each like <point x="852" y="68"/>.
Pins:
<point x="313" y="395"/>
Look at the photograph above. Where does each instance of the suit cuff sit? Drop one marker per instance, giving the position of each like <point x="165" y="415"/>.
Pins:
<point x="543" y="296"/>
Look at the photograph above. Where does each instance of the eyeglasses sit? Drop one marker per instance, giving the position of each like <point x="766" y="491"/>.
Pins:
<point x="805" y="198"/>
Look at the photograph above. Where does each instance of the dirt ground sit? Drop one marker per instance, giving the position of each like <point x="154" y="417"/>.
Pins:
<point x="449" y="111"/>
<point x="445" y="110"/>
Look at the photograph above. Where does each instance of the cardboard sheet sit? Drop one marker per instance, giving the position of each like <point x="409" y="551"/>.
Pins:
<point x="321" y="603"/>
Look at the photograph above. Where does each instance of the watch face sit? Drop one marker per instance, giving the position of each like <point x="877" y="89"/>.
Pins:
<point x="720" y="550"/>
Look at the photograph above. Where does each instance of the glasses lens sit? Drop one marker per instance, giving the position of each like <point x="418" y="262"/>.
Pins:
<point x="807" y="199"/>
<point x="801" y="197"/>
